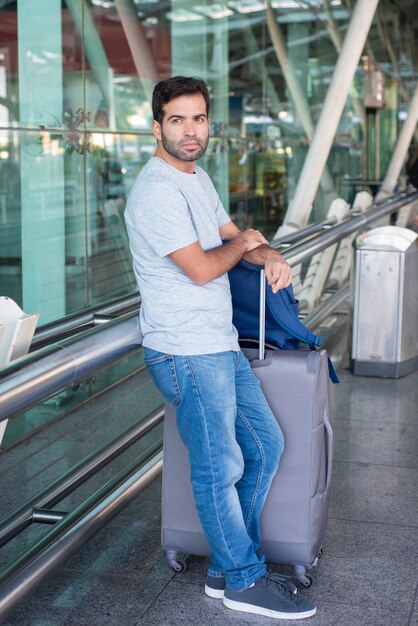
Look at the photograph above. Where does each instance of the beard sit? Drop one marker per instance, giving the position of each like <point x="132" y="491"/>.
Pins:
<point x="176" y="150"/>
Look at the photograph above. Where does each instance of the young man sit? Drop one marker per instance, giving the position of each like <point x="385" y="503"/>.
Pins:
<point x="176" y="224"/>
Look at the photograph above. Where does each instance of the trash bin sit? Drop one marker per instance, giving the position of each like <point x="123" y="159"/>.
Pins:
<point x="384" y="303"/>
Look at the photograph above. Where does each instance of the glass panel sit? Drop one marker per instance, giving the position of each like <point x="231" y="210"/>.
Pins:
<point x="34" y="56"/>
<point x="62" y="187"/>
<point x="40" y="195"/>
<point x="127" y="47"/>
<point x="37" y="41"/>
<point x="112" y="166"/>
<point x="68" y="400"/>
<point x="74" y="136"/>
<point x="379" y="99"/>
<point x="10" y="217"/>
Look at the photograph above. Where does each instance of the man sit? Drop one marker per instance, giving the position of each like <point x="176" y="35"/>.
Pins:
<point x="176" y="224"/>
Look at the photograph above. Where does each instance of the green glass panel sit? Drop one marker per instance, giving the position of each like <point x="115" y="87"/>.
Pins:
<point x="73" y="138"/>
<point x="112" y="164"/>
<point x="75" y="396"/>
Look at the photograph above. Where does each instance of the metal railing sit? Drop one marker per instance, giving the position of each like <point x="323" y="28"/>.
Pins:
<point x="326" y="236"/>
<point x="44" y="372"/>
<point x="30" y="569"/>
<point x="38" y="508"/>
<point x="40" y="374"/>
<point x="76" y="323"/>
<point x="48" y="370"/>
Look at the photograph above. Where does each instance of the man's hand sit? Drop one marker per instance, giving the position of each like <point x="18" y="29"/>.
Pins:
<point x="278" y="271"/>
<point x="250" y="239"/>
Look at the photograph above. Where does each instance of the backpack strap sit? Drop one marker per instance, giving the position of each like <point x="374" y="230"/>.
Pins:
<point x="281" y="311"/>
<point x="278" y="304"/>
<point x="292" y="324"/>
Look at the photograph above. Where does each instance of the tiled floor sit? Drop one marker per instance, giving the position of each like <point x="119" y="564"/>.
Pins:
<point x="366" y="577"/>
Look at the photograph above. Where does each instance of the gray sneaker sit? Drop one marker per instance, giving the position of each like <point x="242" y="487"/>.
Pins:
<point x="215" y="585"/>
<point x="270" y="597"/>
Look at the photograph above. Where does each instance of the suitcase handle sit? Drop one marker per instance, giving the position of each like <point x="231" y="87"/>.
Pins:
<point x="330" y="442"/>
<point x="262" y="318"/>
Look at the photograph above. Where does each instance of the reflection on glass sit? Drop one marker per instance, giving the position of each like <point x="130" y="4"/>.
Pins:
<point x="74" y="137"/>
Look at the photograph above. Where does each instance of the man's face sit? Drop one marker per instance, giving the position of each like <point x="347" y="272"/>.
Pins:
<point x="184" y="132"/>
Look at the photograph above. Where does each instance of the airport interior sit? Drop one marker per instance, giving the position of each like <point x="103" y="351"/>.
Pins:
<point x="313" y="141"/>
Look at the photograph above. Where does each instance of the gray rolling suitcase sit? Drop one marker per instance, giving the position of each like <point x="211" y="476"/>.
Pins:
<point x="296" y="385"/>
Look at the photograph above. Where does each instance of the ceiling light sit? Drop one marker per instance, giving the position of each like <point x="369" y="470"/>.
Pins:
<point x="247" y="6"/>
<point x="287" y="4"/>
<point x="181" y="15"/>
<point x="214" y="11"/>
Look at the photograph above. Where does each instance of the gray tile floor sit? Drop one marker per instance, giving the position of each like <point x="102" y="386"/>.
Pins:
<point x="366" y="577"/>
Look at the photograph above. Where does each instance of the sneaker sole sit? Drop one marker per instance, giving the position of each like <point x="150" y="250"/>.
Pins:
<point x="218" y="594"/>
<point x="259" y="610"/>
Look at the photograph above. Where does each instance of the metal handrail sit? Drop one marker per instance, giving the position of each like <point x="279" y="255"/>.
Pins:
<point x="77" y="322"/>
<point x="315" y="319"/>
<point x="303" y="233"/>
<point x="32" y="567"/>
<point x="302" y="251"/>
<point x="40" y="374"/>
<point x="31" y="379"/>
<point x="22" y="517"/>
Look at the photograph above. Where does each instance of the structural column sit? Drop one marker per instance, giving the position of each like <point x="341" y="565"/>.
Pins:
<point x="300" y="207"/>
<point x="140" y="49"/>
<point x="298" y="95"/>
<point x="401" y="149"/>
<point x="41" y="158"/>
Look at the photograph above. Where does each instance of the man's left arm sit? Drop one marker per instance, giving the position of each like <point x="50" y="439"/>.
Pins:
<point x="277" y="269"/>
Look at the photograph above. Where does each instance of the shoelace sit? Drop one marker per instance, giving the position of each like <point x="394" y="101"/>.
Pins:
<point x="282" y="582"/>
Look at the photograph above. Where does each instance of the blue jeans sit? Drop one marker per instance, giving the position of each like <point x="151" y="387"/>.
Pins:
<point x="234" y="445"/>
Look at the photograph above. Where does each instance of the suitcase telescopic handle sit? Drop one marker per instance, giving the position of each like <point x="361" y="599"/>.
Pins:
<point x="330" y="446"/>
<point x="262" y="319"/>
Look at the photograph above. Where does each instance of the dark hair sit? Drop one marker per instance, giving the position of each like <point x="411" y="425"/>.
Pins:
<point x="167" y="90"/>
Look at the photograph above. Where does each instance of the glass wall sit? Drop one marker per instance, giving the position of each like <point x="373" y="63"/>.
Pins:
<point x="76" y="79"/>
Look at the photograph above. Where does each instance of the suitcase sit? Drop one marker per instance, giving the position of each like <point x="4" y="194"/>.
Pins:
<point x="292" y="523"/>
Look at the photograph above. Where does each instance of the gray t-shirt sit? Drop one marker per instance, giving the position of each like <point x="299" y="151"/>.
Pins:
<point x="167" y="210"/>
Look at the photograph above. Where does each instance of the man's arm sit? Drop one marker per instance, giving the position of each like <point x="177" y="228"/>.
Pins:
<point x="203" y="266"/>
<point x="278" y="271"/>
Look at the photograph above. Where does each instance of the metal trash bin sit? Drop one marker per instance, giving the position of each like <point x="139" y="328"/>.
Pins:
<point x="384" y="303"/>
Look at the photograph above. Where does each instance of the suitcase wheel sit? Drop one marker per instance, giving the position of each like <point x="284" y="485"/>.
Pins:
<point x="303" y="577"/>
<point x="178" y="565"/>
<point x="307" y="580"/>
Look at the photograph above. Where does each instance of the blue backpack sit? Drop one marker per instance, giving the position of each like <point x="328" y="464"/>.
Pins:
<point x="283" y="327"/>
